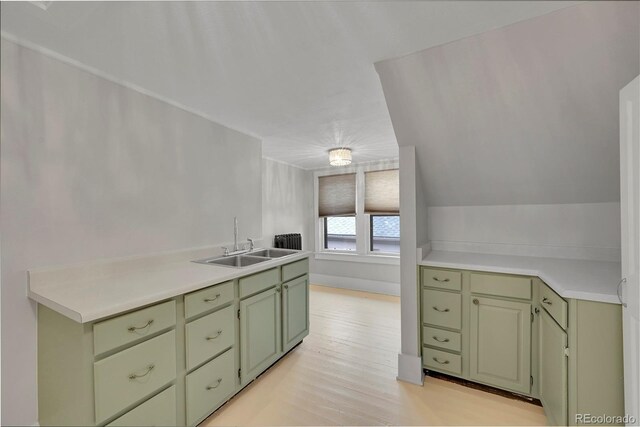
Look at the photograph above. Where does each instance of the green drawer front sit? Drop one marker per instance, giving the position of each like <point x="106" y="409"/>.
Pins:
<point x="444" y="279"/>
<point x="133" y="327"/>
<point x="259" y="282"/>
<point x="500" y="285"/>
<point x="295" y="269"/>
<point x="554" y="305"/>
<point x="435" y="337"/>
<point x="209" y="386"/>
<point x="441" y="308"/>
<point x="207" y="299"/>
<point x="210" y="335"/>
<point x="158" y="411"/>
<point x="442" y="361"/>
<point x="129" y="376"/>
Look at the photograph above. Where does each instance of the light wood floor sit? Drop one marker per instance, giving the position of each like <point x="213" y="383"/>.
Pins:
<point x="344" y="374"/>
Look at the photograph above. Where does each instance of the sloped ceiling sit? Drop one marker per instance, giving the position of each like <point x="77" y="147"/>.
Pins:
<point x="298" y="75"/>
<point x="525" y="114"/>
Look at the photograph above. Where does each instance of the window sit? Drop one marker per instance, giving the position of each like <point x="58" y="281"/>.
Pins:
<point x="385" y="233"/>
<point x="340" y="233"/>
<point x="358" y="212"/>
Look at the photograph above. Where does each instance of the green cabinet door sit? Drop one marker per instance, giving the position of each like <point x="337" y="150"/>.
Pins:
<point x="553" y="369"/>
<point x="295" y="312"/>
<point x="500" y="343"/>
<point x="260" y="333"/>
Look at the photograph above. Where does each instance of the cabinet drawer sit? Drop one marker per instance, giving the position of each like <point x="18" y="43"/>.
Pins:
<point x="554" y="305"/>
<point x="499" y="285"/>
<point x="210" y="385"/>
<point x="132" y="374"/>
<point x="440" y="308"/>
<point x="442" y="361"/>
<point x="440" y="338"/>
<point x="444" y="279"/>
<point x="210" y="335"/>
<point x="208" y="299"/>
<point x="295" y="269"/>
<point x="259" y="282"/>
<point x="160" y="410"/>
<point x="132" y="327"/>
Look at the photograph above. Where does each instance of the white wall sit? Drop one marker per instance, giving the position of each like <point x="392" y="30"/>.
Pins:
<point x="583" y="231"/>
<point x="360" y="276"/>
<point x="90" y="170"/>
<point x="287" y="202"/>
<point x="524" y="114"/>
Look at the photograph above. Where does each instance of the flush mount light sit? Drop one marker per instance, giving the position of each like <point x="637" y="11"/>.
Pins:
<point x="340" y="156"/>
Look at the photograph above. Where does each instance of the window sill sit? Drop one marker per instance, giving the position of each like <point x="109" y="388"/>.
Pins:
<point x="347" y="257"/>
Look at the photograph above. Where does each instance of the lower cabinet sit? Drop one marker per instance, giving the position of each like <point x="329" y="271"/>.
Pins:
<point x="553" y="369"/>
<point x="159" y="411"/>
<point x="209" y="386"/>
<point x="260" y="332"/>
<point x="173" y="362"/>
<point x="295" y="312"/>
<point x="500" y="343"/>
<point x="134" y="373"/>
<point x="566" y="352"/>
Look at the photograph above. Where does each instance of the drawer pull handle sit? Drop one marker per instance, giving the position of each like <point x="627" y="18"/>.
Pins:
<point x="278" y="290"/>
<point x="442" y="362"/>
<point x="476" y="301"/>
<point x="211" y="387"/>
<point x="440" y="339"/>
<point x="212" y="299"/>
<point x="446" y="310"/>
<point x="137" y="328"/>
<point x="147" y="372"/>
<point x="216" y="336"/>
<point x="547" y="301"/>
<point x="440" y="280"/>
<point x="286" y="286"/>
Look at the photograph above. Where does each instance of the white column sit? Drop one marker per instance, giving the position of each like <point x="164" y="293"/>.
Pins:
<point x="409" y="360"/>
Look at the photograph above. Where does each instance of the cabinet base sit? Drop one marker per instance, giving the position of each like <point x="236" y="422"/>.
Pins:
<point x="482" y="387"/>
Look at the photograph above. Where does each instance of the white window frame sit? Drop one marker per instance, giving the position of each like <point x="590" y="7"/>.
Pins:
<point x="363" y="252"/>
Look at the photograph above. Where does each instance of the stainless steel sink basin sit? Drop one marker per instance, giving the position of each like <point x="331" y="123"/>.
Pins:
<point x="237" y="261"/>
<point x="273" y="253"/>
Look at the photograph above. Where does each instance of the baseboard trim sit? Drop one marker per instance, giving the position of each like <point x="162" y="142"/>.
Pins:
<point x="356" y="284"/>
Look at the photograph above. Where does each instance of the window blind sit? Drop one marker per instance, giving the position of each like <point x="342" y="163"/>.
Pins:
<point x="337" y="195"/>
<point x="382" y="192"/>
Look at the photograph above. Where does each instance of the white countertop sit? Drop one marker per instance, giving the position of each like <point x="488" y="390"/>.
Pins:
<point x="570" y="278"/>
<point x="94" y="294"/>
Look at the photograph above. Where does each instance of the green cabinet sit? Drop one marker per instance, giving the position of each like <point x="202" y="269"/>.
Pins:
<point x="553" y="369"/>
<point x="209" y="386"/>
<point x="158" y="411"/>
<point x="569" y="354"/>
<point x="260" y="332"/>
<point x="500" y="343"/>
<point x="295" y="312"/>
<point x="174" y="362"/>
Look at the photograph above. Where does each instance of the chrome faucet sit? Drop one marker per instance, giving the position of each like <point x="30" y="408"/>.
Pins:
<point x="235" y="234"/>
<point x="236" y="249"/>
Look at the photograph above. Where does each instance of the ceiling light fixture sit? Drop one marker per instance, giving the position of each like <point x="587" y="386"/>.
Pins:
<point x="340" y="156"/>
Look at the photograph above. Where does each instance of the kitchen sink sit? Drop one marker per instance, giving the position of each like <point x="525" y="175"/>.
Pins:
<point x="237" y="261"/>
<point x="272" y="253"/>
